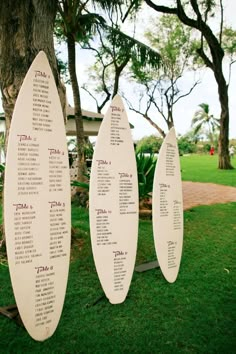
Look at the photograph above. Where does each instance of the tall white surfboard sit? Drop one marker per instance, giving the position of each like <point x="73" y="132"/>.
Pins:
<point x="168" y="208"/>
<point x="114" y="203"/>
<point x="37" y="202"/>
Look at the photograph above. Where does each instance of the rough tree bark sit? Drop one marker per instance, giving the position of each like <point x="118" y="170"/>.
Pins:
<point x="77" y="109"/>
<point x="72" y="14"/>
<point x="26" y="27"/>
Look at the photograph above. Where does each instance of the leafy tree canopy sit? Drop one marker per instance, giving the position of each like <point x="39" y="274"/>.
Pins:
<point x="150" y="144"/>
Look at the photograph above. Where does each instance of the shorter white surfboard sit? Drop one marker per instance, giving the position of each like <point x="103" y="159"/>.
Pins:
<point x="113" y="203"/>
<point x="37" y="202"/>
<point x="168" y="208"/>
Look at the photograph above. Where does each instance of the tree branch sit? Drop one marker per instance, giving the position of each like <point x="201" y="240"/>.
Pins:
<point x="206" y="60"/>
<point x="145" y="115"/>
<point x="196" y="9"/>
<point x="90" y="94"/>
<point x="153" y="100"/>
<point x="230" y="70"/>
<point x="188" y="93"/>
<point x="128" y="11"/>
<point x="221" y="21"/>
<point x="160" y="8"/>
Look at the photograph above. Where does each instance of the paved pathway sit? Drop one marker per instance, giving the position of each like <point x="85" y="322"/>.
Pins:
<point x="196" y="193"/>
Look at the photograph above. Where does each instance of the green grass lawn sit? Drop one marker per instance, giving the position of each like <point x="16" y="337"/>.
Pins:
<point x="203" y="168"/>
<point x="196" y="314"/>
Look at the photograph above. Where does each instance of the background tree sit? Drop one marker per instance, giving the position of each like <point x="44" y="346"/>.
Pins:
<point x="200" y="12"/>
<point x="229" y="47"/>
<point x="77" y="25"/>
<point x="149" y="144"/>
<point x="186" y="145"/>
<point x="115" y="53"/>
<point x="204" y="122"/>
<point x="161" y="86"/>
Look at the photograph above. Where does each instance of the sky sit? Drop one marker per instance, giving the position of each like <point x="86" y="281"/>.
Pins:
<point x="205" y="92"/>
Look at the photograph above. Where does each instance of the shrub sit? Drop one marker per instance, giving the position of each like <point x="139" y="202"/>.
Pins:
<point x="146" y="168"/>
<point x="186" y="146"/>
<point x="149" y="144"/>
<point x="206" y="147"/>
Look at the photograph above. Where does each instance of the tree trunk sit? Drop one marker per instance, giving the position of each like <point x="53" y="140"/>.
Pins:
<point x="216" y="65"/>
<point x="118" y="71"/>
<point x="223" y="142"/>
<point x="170" y="120"/>
<point x="77" y="112"/>
<point x="26" y="27"/>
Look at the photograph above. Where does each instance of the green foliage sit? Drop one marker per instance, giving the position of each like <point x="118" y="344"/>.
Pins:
<point x="125" y="45"/>
<point x="207" y="7"/>
<point x="63" y="69"/>
<point x="206" y="147"/>
<point x="88" y="147"/>
<point x="161" y="89"/>
<point x="146" y="169"/>
<point x="171" y="39"/>
<point x="186" y="146"/>
<point x="2" y="169"/>
<point x="74" y="20"/>
<point x="196" y="168"/>
<point x="228" y="45"/>
<point x="229" y="41"/>
<point x="194" y="48"/>
<point x="84" y="185"/>
<point x="88" y="26"/>
<point x="114" y="51"/>
<point x="192" y="136"/>
<point x="149" y="144"/>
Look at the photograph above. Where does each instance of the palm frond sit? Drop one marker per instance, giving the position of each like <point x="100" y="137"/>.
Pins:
<point x="197" y="128"/>
<point x="205" y="107"/>
<point x="139" y="50"/>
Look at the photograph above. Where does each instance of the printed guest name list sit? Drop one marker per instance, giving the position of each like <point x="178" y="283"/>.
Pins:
<point x="37" y="202"/>
<point x="114" y="203"/>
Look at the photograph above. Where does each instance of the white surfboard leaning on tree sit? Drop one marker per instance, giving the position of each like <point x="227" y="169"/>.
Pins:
<point x="37" y="202"/>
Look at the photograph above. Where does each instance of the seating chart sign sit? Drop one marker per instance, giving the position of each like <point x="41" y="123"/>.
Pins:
<point x="37" y="202"/>
<point x="168" y="208"/>
<point x="114" y="203"/>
